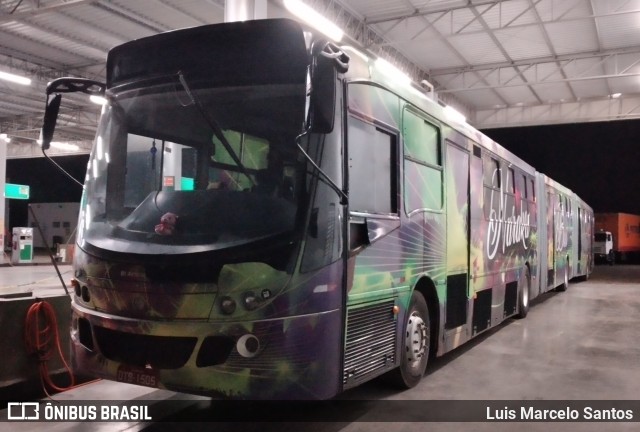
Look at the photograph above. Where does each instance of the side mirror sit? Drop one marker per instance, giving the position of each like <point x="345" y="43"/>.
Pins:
<point x="50" y="119"/>
<point x="59" y="86"/>
<point x="328" y="60"/>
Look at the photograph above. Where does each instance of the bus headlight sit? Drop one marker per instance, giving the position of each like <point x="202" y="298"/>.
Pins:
<point x="251" y="301"/>
<point x="227" y="305"/>
<point x="246" y="288"/>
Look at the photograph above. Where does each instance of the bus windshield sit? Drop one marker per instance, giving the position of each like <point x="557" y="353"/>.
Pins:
<point x="163" y="179"/>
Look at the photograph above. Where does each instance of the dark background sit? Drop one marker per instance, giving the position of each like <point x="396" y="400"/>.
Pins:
<point x="46" y="182"/>
<point x="598" y="161"/>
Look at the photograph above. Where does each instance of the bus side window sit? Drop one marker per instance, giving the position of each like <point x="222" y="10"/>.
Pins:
<point x="533" y="190"/>
<point x="491" y="170"/>
<point x="511" y="178"/>
<point x="372" y="169"/>
<point x="423" y="174"/>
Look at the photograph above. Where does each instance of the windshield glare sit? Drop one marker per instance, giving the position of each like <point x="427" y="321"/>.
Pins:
<point x="161" y="174"/>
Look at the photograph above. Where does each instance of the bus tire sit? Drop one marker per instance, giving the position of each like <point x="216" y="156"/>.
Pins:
<point x="524" y="295"/>
<point x="414" y="354"/>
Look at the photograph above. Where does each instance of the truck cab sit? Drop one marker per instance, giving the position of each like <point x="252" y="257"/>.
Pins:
<point x="603" y="246"/>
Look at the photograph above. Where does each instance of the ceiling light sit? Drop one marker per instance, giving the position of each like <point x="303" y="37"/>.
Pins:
<point x="15" y="78"/>
<point x="4" y="137"/>
<point x="98" y="100"/>
<point x="314" y="19"/>
<point x="616" y="95"/>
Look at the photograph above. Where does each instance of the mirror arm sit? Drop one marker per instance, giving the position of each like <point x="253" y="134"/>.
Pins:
<point x="57" y="87"/>
<point x="73" y="85"/>
<point x="332" y="51"/>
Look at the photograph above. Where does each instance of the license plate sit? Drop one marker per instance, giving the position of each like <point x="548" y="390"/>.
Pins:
<point x="139" y="376"/>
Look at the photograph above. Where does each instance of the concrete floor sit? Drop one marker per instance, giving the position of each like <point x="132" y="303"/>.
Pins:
<point x="578" y="345"/>
<point x="39" y="277"/>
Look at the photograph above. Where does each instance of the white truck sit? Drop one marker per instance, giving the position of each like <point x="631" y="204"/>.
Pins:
<point x="603" y="246"/>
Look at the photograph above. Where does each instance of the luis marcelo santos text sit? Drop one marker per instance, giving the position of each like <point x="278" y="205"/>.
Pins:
<point x="531" y="413"/>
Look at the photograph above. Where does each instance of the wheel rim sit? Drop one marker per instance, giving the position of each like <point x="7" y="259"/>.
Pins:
<point x="416" y="340"/>
<point x="525" y="293"/>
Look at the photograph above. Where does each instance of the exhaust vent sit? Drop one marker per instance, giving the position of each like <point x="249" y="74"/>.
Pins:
<point x="371" y="341"/>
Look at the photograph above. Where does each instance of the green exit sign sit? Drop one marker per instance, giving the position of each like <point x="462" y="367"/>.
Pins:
<point x="16" y="191"/>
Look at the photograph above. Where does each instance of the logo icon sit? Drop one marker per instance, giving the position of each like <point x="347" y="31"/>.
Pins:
<point x="23" y="411"/>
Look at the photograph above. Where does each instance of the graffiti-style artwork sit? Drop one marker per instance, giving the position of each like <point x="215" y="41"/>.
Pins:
<point x="509" y="221"/>
<point x="265" y="216"/>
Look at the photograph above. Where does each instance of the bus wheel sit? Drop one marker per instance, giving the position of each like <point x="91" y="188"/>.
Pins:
<point x="565" y="283"/>
<point x="415" y="345"/>
<point x="525" y="289"/>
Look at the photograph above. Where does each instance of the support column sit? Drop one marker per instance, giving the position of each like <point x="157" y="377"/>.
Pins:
<point x="244" y="10"/>
<point x="3" y="178"/>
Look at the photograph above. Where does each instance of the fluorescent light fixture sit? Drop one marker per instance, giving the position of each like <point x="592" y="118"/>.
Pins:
<point x="616" y="95"/>
<point x="4" y="137"/>
<point x="64" y="146"/>
<point x="314" y="19"/>
<point x="454" y="115"/>
<point x="99" y="100"/>
<point x="389" y="69"/>
<point x="15" y="78"/>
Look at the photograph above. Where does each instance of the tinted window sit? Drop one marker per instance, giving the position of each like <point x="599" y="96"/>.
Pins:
<point x="372" y="168"/>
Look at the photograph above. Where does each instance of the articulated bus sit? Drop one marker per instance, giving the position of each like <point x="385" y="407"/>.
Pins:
<point x="270" y="215"/>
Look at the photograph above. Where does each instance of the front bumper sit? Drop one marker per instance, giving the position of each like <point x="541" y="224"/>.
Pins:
<point x="289" y="358"/>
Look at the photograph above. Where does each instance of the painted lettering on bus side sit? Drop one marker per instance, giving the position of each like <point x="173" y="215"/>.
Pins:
<point x="507" y="226"/>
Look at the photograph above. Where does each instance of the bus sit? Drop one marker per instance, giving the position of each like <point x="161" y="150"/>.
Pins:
<point x="268" y="214"/>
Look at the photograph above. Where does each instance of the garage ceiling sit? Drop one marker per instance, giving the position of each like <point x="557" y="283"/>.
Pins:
<point x="502" y="63"/>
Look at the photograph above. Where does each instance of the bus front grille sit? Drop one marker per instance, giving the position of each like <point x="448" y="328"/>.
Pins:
<point x="370" y="342"/>
<point x="161" y="352"/>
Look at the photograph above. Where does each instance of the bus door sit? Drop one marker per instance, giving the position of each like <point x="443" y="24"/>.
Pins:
<point x="552" y="203"/>
<point x="580" y="263"/>
<point x="457" y="249"/>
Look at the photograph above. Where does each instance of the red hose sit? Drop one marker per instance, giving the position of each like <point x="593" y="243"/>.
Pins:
<point x="42" y="339"/>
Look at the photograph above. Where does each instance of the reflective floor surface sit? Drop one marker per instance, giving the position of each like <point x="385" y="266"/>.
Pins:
<point x="578" y="345"/>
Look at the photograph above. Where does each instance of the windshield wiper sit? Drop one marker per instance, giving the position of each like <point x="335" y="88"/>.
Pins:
<point x="215" y="127"/>
<point x="344" y="199"/>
